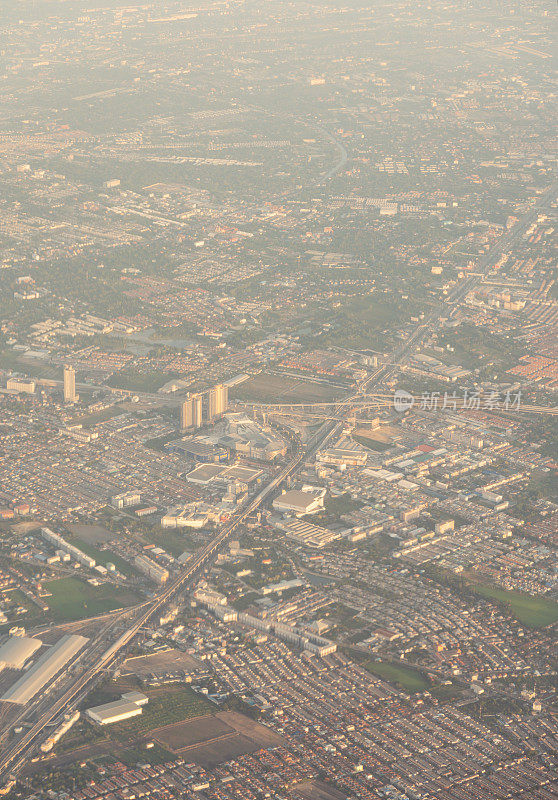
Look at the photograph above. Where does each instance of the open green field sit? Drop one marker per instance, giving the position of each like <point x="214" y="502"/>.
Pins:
<point x="89" y="420"/>
<point x="409" y="679"/>
<point x="134" y="381"/>
<point x="74" y="599"/>
<point x="366" y="321"/>
<point x="534" y="612"/>
<point x="266" y="388"/>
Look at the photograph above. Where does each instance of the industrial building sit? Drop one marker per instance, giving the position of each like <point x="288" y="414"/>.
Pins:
<point x="16" y="650"/>
<point x="308" y="500"/>
<point x="346" y="453"/>
<point x="200" y="449"/>
<point x="130" y="705"/>
<point x="158" y="574"/>
<point x="42" y="672"/>
<point x="21" y="385"/>
<point x="246" y="437"/>
<point x="308" y="534"/>
<point x="191" y="515"/>
<point x="210" y="473"/>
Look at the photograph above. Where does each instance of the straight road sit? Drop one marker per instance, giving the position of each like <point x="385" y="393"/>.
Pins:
<point x="14" y="757"/>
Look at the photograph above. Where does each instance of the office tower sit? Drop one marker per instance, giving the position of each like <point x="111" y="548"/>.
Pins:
<point x="197" y="413"/>
<point x="218" y="400"/>
<point x="69" y="385"/>
<point x="187" y="414"/>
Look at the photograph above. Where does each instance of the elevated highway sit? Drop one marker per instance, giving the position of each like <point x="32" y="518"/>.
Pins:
<point x="14" y="757"/>
<point x="98" y="657"/>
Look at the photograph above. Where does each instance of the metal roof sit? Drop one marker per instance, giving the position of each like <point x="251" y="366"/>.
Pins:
<point x="44" y="669"/>
<point x="113" y="711"/>
<point x="15" y="651"/>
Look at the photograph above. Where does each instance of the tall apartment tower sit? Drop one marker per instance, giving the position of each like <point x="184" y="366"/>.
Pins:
<point x="197" y="411"/>
<point x="69" y="384"/>
<point x="187" y="414"/>
<point x="224" y="391"/>
<point x="218" y="400"/>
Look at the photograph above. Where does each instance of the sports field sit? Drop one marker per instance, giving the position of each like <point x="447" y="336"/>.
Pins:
<point x="409" y="679"/>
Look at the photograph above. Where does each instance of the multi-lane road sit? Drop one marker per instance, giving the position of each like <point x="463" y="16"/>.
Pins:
<point x="99" y="657"/>
<point x="91" y="665"/>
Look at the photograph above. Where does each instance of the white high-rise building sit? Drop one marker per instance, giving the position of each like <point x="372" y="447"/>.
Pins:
<point x="69" y="384"/>
<point x="187" y="414"/>
<point x="197" y="411"/>
<point x="218" y="400"/>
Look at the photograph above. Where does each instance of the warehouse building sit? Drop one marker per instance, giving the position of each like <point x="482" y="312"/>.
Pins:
<point x="130" y="705"/>
<point x="16" y="650"/>
<point x="154" y="571"/>
<point x="44" y="670"/>
<point x="346" y="453"/>
<point x="308" y="500"/>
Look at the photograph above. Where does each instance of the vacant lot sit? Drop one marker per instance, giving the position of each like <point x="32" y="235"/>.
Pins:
<point x="534" y="612"/>
<point x="92" y="534"/>
<point x="316" y="790"/>
<point x="266" y="388"/>
<point x="249" y="727"/>
<point x="73" y="598"/>
<point x="167" y="661"/>
<point x="211" y="754"/>
<point x="184" y="735"/>
<point x="134" y="381"/>
<point x="174" y="542"/>
<point x="213" y="739"/>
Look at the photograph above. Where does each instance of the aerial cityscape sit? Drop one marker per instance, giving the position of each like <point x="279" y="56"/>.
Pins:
<point x="278" y="418"/>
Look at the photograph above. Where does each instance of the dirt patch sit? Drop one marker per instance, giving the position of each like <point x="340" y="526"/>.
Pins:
<point x="316" y="790"/>
<point x="252" y="729"/>
<point x="210" y="740"/>
<point x="167" y="661"/>
<point x="92" y="534"/>
<point x="24" y="528"/>
<point x="214" y="753"/>
<point x="186" y="734"/>
<point x="268" y="388"/>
